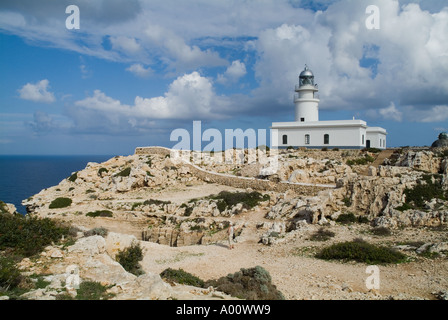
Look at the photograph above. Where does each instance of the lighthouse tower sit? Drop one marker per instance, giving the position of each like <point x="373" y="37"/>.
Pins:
<point x="306" y="99"/>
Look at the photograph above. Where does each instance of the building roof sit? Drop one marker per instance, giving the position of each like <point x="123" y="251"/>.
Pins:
<point x="319" y="124"/>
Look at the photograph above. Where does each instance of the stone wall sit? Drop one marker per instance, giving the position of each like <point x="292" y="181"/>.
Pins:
<point x="239" y="182"/>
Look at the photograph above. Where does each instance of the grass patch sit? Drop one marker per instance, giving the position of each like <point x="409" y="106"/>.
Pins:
<point x="182" y="277"/>
<point x="60" y="202"/>
<point x="130" y="257"/>
<point x="361" y="251"/>
<point x="250" y="284"/>
<point x="91" y="290"/>
<point x="360" y="161"/>
<point x="99" y="213"/>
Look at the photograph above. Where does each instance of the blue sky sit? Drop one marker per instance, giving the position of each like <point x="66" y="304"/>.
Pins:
<point x="136" y="70"/>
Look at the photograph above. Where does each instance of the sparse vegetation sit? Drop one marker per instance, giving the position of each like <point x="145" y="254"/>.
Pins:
<point x="361" y="251"/>
<point x="124" y="173"/>
<point x="182" y="277"/>
<point x="228" y="199"/>
<point x="100" y="231"/>
<point x="10" y="276"/>
<point x="101" y="170"/>
<point x="130" y="257"/>
<point x="428" y="188"/>
<point x="349" y="217"/>
<point x="60" y="202"/>
<point x="381" y="231"/>
<point x="91" y="290"/>
<point x="322" y="235"/>
<point x="360" y="161"/>
<point x="26" y="236"/>
<point x="100" y="213"/>
<point x="73" y="177"/>
<point x="250" y="284"/>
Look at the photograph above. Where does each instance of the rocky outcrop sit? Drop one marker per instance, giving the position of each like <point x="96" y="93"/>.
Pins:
<point x="89" y="259"/>
<point x="424" y="160"/>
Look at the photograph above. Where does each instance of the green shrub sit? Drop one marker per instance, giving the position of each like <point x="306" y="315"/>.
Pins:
<point x="91" y="290"/>
<point x="100" y="213"/>
<point x="28" y="235"/>
<point x="3" y="207"/>
<point x="360" y="161"/>
<point x="250" y="284"/>
<point x="324" y="149"/>
<point x="101" y="170"/>
<point x="361" y="251"/>
<point x="10" y="276"/>
<point x="372" y="150"/>
<point x="404" y="207"/>
<point x="346" y="218"/>
<point x="426" y="190"/>
<point x="322" y="235"/>
<point x="124" y="173"/>
<point x="73" y="177"/>
<point x="347" y="201"/>
<point x="96" y="232"/>
<point x="60" y="203"/>
<point x="130" y="257"/>
<point x="381" y="231"/>
<point x="228" y="199"/>
<point x="349" y="217"/>
<point x="182" y="277"/>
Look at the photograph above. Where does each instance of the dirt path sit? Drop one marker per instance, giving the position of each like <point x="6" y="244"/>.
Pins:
<point x="297" y="274"/>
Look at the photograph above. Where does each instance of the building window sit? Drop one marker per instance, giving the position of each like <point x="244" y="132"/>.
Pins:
<point x="285" y="139"/>
<point x="326" y="139"/>
<point x="307" y="139"/>
<point x="362" y="139"/>
<point x="302" y="119"/>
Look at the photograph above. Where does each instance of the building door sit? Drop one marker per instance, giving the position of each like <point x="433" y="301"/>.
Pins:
<point x="367" y="144"/>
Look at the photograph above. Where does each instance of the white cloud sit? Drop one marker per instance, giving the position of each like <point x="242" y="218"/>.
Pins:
<point x="437" y="113"/>
<point x="233" y="73"/>
<point x="189" y="96"/>
<point x="391" y="113"/>
<point x="139" y="70"/>
<point x="126" y="44"/>
<point x="37" y="92"/>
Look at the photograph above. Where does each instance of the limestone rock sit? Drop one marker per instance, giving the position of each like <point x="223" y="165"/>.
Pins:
<point x="116" y="242"/>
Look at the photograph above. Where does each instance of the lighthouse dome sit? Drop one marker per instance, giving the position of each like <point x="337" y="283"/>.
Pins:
<point x="306" y="73"/>
<point x="306" y="77"/>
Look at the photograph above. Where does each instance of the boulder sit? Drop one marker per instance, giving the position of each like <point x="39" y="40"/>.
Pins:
<point x="116" y="242"/>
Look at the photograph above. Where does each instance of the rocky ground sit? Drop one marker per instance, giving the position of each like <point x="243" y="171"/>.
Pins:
<point x="153" y="198"/>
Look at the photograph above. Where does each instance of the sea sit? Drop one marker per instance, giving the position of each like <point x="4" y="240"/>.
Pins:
<point x="24" y="176"/>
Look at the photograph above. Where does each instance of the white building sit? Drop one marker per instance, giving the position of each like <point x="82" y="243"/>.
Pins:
<point x="307" y="131"/>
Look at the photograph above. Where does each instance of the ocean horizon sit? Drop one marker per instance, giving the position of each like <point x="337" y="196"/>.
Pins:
<point x="22" y="176"/>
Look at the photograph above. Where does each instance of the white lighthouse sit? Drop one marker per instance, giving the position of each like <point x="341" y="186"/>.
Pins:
<point x="306" y="99"/>
<point x="307" y="131"/>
